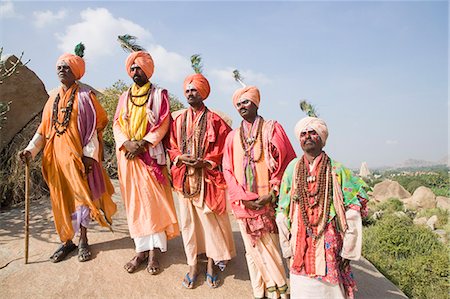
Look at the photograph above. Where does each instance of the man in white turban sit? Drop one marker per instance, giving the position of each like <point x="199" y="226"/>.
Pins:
<point x="319" y="218"/>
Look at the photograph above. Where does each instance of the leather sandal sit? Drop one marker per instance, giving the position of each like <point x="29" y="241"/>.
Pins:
<point x="134" y="264"/>
<point x="84" y="254"/>
<point x="62" y="252"/>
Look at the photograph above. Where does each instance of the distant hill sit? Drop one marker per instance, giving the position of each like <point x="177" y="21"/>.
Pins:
<point x="416" y="163"/>
<point x="445" y="160"/>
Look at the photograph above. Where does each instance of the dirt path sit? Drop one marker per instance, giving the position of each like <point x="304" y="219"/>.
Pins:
<point x="104" y="277"/>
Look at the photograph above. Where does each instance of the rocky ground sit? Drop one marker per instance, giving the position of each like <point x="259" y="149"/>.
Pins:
<point x="104" y="276"/>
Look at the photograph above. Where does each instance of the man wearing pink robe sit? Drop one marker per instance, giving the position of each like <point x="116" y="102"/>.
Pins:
<point x="141" y="122"/>
<point x="197" y="139"/>
<point x="255" y="157"/>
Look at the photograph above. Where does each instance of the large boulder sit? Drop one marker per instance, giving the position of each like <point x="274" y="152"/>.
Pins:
<point x="422" y="198"/>
<point x="27" y="95"/>
<point x="443" y="202"/>
<point x="389" y="189"/>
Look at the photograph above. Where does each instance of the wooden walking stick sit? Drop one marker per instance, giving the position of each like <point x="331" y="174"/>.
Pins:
<point x="27" y="206"/>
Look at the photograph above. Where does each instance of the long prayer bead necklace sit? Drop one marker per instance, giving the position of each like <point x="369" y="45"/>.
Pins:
<point x="67" y="113"/>
<point x="131" y="96"/>
<point x="302" y="195"/>
<point x="248" y="143"/>
<point x="200" y="132"/>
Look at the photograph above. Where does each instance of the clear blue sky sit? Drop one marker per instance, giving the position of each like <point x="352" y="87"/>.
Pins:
<point x="376" y="71"/>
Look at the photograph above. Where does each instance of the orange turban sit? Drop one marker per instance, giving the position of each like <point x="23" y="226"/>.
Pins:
<point x="314" y="123"/>
<point x="250" y="93"/>
<point x="143" y="60"/>
<point x="76" y="64"/>
<point x="200" y="83"/>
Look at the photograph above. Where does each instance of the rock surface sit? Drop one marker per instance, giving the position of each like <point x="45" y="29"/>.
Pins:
<point x="389" y="189"/>
<point x="27" y="95"/>
<point x="422" y="198"/>
<point x="420" y="221"/>
<point x="443" y="202"/>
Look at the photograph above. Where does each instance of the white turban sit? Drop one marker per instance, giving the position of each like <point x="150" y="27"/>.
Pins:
<point x="314" y="123"/>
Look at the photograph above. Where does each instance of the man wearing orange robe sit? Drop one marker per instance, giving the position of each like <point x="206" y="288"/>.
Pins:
<point x="255" y="157"/>
<point x="197" y="139"/>
<point x="141" y="122"/>
<point x="70" y="135"/>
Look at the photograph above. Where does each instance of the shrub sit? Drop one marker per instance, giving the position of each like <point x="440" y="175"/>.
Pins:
<point x="12" y="171"/>
<point x="410" y="256"/>
<point x="413" y="185"/>
<point x="391" y="205"/>
<point x="440" y="213"/>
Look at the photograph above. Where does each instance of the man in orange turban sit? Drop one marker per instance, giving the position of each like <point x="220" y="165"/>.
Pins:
<point x="70" y="136"/>
<point x="199" y="83"/>
<point x="255" y="157"/>
<point x="197" y="138"/>
<point x="75" y="63"/>
<point x="250" y="93"/>
<point x="141" y="122"/>
<point x="141" y="59"/>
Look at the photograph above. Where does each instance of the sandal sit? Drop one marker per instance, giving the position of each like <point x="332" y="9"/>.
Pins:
<point x="153" y="266"/>
<point x="134" y="263"/>
<point x="190" y="281"/>
<point x="84" y="254"/>
<point x="62" y="252"/>
<point x="214" y="280"/>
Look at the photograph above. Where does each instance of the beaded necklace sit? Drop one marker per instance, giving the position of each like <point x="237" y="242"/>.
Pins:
<point x="302" y="195"/>
<point x="186" y="143"/>
<point x="67" y="113"/>
<point x="249" y="142"/>
<point x="131" y="96"/>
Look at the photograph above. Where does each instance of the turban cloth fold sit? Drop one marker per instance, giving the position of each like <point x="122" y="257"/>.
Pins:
<point x="201" y="85"/>
<point x="143" y="59"/>
<point x="76" y="64"/>
<point x="250" y="93"/>
<point x="314" y="123"/>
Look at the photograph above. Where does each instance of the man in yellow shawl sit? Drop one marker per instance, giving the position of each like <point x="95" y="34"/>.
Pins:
<point x="70" y="136"/>
<point x="141" y="122"/>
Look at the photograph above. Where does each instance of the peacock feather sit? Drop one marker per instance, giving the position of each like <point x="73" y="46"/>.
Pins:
<point x="196" y="62"/>
<point x="79" y="50"/>
<point x="308" y="108"/>
<point x="128" y="43"/>
<point x="237" y="76"/>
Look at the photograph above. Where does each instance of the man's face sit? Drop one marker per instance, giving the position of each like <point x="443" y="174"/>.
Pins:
<point x="310" y="141"/>
<point x="138" y="75"/>
<point x="247" y="109"/>
<point x="64" y="73"/>
<point x="193" y="96"/>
